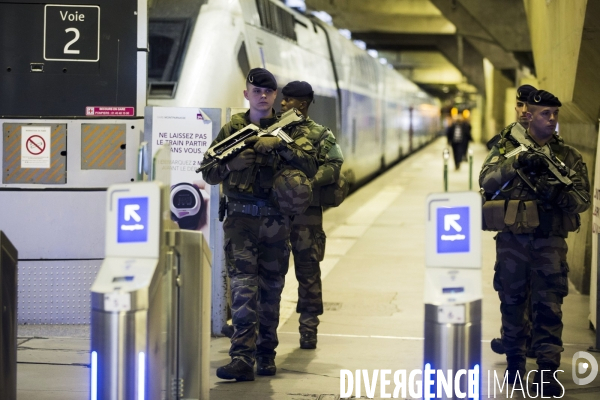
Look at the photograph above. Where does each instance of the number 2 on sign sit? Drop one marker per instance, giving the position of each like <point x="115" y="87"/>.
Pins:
<point x="67" y="50"/>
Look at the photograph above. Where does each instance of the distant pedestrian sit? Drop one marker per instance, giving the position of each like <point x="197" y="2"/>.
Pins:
<point x="459" y="136"/>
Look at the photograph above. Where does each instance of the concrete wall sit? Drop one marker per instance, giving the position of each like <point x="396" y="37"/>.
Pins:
<point x="496" y="86"/>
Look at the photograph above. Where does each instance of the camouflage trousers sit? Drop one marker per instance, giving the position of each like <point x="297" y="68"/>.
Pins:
<point x="308" y="246"/>
<point x="257" y="253"/>
<point x="535" y="270"/>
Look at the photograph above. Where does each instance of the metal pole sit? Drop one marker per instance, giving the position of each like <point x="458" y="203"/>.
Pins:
<point x="446" y="155"/>
<point x="142" y="150"/>
<point x="470" y="169"/>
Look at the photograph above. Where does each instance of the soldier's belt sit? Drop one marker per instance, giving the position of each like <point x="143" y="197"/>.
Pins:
<point x="251" y="209"/>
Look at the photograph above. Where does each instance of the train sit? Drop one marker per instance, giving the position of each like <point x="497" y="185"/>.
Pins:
<point x="200" y="53"/>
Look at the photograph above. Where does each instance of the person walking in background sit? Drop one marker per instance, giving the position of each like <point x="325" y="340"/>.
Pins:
<point x="459" y="136"/>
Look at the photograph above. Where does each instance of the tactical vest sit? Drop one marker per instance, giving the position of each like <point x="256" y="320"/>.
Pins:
<point x="255" y="181"/>
<point x="516" y="208"/>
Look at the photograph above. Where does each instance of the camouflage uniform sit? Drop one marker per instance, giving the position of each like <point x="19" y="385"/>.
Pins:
<point x="307" y="236"/>
<point x="531" y="260"/>
<point x="257" y="246"/>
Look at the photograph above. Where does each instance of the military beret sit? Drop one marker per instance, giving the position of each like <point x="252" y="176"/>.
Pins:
<point x="543" y="98"/>
<point x="523" y="91"/>
<point x="298" y="89"/>
<point x="260" y="77"/>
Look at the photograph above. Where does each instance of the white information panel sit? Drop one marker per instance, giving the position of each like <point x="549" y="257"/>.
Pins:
<point x="453" y="230"/>
<point x="188" y="131"/>
<point x="133" y="220"/>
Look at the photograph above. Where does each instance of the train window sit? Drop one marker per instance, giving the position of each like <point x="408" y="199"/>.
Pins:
<point x="167" y="40"/>
<point x="276" y="19"/>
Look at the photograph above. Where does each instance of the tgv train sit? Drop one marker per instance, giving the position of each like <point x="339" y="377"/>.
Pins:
<point x="199" y="57"/>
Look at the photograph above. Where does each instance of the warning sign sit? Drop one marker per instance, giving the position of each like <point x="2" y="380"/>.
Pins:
<point x="35" y="147"/>
<point x="95" y="111"/>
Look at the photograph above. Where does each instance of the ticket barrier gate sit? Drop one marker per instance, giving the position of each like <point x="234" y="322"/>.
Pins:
<point x="453" y="295"/>
<point x="150" y="323"/>
<point x="9" y="257"/>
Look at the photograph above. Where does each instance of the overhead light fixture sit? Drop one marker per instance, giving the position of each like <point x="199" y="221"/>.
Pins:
<point x="323" y="16"/>
<point x="373" y="53"/>
<point x="345" y="33"/>
<point x="360" y="44"/>
<point x="297" y="4"/>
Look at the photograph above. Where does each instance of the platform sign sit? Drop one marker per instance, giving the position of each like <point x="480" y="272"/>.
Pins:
<point x="71" y="33"/>
<point x="132" y="220"/>
<point x="453" y="230"/>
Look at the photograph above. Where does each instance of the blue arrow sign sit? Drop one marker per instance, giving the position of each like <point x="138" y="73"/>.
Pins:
<point x="132" y="220"/>
<point x="453" y="230"/>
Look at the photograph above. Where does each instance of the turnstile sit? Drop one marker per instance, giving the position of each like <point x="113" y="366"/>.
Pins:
<point x="150" y="303"/>
<point x="8" y="322"/>
<point x="452" y="346"/>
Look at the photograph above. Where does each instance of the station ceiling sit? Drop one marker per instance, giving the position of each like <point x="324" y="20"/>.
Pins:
<point x="439" y="44"/>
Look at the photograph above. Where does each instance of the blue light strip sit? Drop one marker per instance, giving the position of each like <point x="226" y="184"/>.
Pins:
<point x="94" y="377"/>
<point x="141" y="376"/>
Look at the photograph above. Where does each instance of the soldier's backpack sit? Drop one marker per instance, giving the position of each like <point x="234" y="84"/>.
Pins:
<point x="333" y="194"/>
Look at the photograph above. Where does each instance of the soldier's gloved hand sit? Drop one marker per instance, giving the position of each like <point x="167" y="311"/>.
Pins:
<point x="243" y="160"/>
<point x="266" y="144"/>
<point x="530" y="162"/>
<point x="548" y="191"/>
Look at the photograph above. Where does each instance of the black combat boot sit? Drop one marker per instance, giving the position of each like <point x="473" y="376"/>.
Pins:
<point x="497" y="346"/>
<point x="308" y="340"/>
<point x="516" y="365"/>
<point x="531" y="353"/>
<point x="236" y="369"/>
<point x="550" y="386"/>
<point x="265" y="366"/>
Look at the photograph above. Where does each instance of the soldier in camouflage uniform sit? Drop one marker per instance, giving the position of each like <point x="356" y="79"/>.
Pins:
<point x="307" y="236"/>
<point x="519" y="127"/>
<point x="533" y="211"/>
<point x="256" y="232"/>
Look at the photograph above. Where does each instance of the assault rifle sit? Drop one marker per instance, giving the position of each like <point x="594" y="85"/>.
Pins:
<point x="556" y="167"/>
<point x="236" y="142"/>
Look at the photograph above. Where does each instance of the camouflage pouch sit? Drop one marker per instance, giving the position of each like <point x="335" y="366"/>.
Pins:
<point x="333" y="195"/>
<point x="522" y="216"/>
<point x="493" y="215"/>
<point x="571" y="222"/>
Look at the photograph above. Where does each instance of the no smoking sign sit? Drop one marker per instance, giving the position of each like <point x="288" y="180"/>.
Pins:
<point x="35" y="147"/>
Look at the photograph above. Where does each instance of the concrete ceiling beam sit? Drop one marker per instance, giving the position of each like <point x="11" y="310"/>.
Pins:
<point x="587" y="84"/>
<point x="505" y="21"/>
<point x="391" y="7"/>
<point x="365" y="22"/>
<point x="459" y="53"/>
<point x="475" y="31"/>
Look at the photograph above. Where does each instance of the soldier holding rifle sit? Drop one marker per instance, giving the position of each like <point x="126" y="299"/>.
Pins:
<point x="264" y="183"/>
<point x="535" y="187"/>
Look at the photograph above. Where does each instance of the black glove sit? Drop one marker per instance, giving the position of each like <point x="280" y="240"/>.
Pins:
<point x="548" y="191"/>
<point x="530" y="163"/>
<point x="243" y="160"/>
